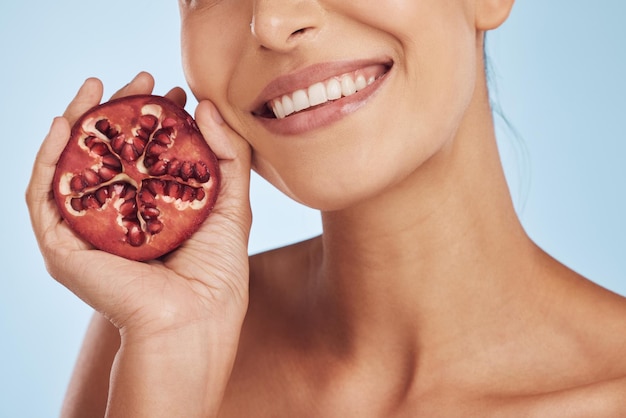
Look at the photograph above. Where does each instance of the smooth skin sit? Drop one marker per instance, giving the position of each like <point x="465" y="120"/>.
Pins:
<point x="423" y="297"/>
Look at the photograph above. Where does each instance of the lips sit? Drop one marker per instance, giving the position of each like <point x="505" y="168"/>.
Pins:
<point x="311" y="88"/>
<point x="325" y="91"/>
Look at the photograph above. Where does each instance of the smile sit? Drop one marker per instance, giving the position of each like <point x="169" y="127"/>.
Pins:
<point x="319" y="95"/>
<point x="325" y="91"/>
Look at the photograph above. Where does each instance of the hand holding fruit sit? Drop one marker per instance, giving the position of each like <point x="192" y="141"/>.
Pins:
<point x="207" y="276"/>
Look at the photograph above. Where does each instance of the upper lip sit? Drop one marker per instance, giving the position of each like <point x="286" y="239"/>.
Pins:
<point x="307" y="76"/>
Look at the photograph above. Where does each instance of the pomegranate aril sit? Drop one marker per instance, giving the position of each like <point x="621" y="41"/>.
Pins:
<point x="129" y="192"/>
<point x="90" y="141"/>
<point x="129" y="153"/>
<point x="112" y="161"/>
<point x="157" y="187"/>
<point x="139" y="144"/>
<point x="135" y="235"/>
<point x="99" y="148"/>
<point x="201" y="172"/>
<point x="173" y="189"/>
<point x="118" y="143"/>
<point x="96" y="146"/>
<point x="200" y="193"/>
<point x="147" y="198"/>
<point x="189" y="194"/>
<point x="102" y="194"/>
<point x="107" y="173"/>
<point x="128" y="208"/>
<point x="143" y="134"/>
<point x="77" y="204"/>
<point x="148" y="122"/>
<point x="159" y="168"/>
<point x="168" y="123"/>
<point x="173" y="168"/>
<point x="149" y="161"/>
<point x="78" y="184"/>
<point x="131" y="218"/>
<point x="186" y="170"/>
<point x="155" y="149"/>
<point x="89" y="201"/>
<point x="154" y="226"/>
<point x="116" y="189"/>
<point x="91" y="178"/>
<point x="163" y="136"/>
<point x="103" y="126"/>
<point x="150" y="213"/>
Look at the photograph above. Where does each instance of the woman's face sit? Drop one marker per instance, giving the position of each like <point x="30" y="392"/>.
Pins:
<point x="412" y="64"/>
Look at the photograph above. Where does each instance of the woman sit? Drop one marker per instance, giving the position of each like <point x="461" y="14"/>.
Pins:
<point x="422" y="297"/>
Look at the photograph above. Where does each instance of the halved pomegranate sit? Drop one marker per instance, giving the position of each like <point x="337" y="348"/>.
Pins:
<point x="136" y="178"/>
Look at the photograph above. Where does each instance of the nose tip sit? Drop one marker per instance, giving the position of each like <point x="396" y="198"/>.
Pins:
<point x="282" y="25"/>
<point x="273" y="34"/>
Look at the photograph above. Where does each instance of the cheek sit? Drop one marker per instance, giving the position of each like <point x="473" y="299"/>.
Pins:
<point x="209" y="48"/>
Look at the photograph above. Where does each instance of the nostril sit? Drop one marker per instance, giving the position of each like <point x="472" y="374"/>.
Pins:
<point x="297" y="34"/>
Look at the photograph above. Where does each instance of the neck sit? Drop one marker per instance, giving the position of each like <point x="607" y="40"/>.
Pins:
<point x="445" y="246"/>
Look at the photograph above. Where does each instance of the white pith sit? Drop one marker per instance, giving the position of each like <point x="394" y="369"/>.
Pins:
<point x="319" y="93"/>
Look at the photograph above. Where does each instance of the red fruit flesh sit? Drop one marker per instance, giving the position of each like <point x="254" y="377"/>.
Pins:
<point x="136" y="178"/>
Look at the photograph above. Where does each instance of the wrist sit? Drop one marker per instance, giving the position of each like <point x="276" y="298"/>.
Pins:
<point x="177" y="373"/>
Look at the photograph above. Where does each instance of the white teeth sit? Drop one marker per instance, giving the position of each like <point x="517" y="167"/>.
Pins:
<point x="319" y="93"/>
<point x="279" y="110"/>
<point x="333" y="89"/>
<point x="360" y="82"/>
<point x="288" y="107"/>
<point x="348" y="86"/>
<point x="300" y="100"/>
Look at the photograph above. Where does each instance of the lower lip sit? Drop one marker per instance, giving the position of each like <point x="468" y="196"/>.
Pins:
<point x="325" y="114"/>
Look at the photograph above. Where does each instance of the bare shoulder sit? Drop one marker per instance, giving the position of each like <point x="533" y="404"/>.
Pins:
<point x="605" y="399"/>
<point x="278" y="277"/>
<point x="596" y="320"/>
<point x="280" y="262"/>
<point x="602" y="399"/>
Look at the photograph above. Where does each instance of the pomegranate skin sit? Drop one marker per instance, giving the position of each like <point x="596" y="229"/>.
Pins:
<point x="136" y="177"/>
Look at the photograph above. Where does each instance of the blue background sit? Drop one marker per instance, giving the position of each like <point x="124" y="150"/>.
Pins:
<point x="558" y="69"/>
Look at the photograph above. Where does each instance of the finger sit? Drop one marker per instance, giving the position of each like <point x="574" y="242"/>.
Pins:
<point x="178" y="96"/>
<point x="38" y="192"/>
<point x="88" y="96"/>
<point x="143" y="83"/>
<point x="224" y="142"/>
<point x="232" y="151"/>
<point x="42" y="209"/>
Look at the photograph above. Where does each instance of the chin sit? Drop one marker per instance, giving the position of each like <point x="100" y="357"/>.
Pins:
<point x="325" y="193"/>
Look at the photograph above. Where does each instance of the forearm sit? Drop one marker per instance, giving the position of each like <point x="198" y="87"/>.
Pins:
<point x="89" y="386"/>
<point x="179" y="374"/>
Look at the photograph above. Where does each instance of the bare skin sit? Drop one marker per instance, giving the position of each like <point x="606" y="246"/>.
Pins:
<point x="486" y="330"/>
<point x="424" y="297"/>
